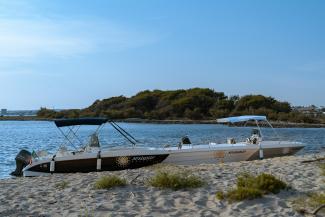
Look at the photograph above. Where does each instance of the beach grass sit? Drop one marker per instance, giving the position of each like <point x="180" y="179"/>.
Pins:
<point x="176" y="180"/>
<point x="108" y="182"/>
<point x="250" y="187"/>
<point x="240" y="193"/>
<point x="309" y="202"/>
<point x="85" y="212"/>
<point x="322" y="167"/>
<point x="62" y="185"/>
<point x="267" y="183"/>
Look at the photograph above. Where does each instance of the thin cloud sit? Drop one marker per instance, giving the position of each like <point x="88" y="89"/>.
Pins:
<point x="62" y="38"/>
<point x="313" y="67"/>
<point x="16" y="8"/>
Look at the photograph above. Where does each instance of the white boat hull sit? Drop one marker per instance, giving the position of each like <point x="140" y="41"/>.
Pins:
<point x="219" y="153"/>
<point x="138" y="157"/>
<point x="209" y="156"/>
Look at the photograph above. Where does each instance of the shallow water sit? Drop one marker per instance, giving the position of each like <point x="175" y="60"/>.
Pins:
<point x="43" y="135"/>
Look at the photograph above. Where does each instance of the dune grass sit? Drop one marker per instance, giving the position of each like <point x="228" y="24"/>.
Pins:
<point x="107" y="182"/>
<point x="250" y="187"/>
<point x="309" y="202"/>
<point x="62" y="185"/>
<point x="322" y="167"/>
<point x="176" y="180"/>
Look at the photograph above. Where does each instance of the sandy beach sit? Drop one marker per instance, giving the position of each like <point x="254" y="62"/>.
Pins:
<point x="43" y="196"/>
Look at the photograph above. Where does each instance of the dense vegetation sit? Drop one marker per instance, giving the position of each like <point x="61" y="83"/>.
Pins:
<point x="193" y="104"/>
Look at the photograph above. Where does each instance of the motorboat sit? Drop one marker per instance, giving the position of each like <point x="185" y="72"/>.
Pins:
<point x="252" y="148"/>
<point x="86" y="157"/>
<point x="266" y="148"/>
<point x="90" y="157"/>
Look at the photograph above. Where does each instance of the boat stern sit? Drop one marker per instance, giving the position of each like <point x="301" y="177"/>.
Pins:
<point x="278" y="149"/>
<point x="23" y="159"/>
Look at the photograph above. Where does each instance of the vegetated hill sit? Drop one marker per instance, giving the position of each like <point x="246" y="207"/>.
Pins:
<point x="193" y="104"/>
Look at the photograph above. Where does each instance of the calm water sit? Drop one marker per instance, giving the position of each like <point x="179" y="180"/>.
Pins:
<point x="42" y="135"/>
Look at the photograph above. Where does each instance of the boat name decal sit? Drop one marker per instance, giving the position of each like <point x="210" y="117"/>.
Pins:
<point x="143" y="158"/>
<point x="237" y="152"/>
<point x="123" y="161"/>
<point x="43" y="165"/>
<point x="219" y="154"/>
<point x="223" y="154"/>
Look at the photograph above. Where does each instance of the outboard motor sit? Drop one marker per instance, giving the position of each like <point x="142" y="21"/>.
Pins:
<point x="186" y="141"/>
<point x="22" y="160"/>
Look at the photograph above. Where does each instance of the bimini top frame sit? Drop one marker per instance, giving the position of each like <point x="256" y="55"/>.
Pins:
<point x="246" y="118"/>
<point x="79" y="121"/>
<point x="73" y="124"/>
<point x="242" y="119"/>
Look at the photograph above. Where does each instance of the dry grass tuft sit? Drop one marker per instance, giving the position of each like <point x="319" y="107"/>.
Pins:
<point x="176" y="180"/>
<point x="308" y="203"/>
<point x="251" y="187"/>
<point x="62" y="185"/>
<point x="107" y="182"/>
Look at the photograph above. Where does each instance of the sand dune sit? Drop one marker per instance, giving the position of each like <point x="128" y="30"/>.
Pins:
<point x="42" y="197"/>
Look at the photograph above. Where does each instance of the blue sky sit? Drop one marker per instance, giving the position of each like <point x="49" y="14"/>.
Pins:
<point x="67" y="54"/>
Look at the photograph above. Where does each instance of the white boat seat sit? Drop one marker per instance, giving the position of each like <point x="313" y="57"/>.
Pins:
<point x="231" y="141"/>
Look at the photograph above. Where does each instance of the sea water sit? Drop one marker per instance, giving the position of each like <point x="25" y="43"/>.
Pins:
<point x="43" y="135"/>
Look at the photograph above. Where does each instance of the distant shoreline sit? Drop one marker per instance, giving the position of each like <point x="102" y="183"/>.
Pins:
<point x="22" y="118"/>
<point x="276" y="124"/>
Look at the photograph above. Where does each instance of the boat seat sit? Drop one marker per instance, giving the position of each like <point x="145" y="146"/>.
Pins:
<point x="94" y="141"/>
<point x="254" y="139"/>
<point x="231" y="141"/>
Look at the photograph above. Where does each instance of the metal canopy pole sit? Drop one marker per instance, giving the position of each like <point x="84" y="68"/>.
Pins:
<point x="125" y="136"/>
<point x="275" y="132"/>
<point x="75" y="135"/>
<point x="124" y="131"/>
<point x="261" y="154"/>
<point x="67" y="138"/>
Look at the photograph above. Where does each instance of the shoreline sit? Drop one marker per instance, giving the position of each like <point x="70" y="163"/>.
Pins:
<point x="275" y="124"/>
<point x="41" y="196"/>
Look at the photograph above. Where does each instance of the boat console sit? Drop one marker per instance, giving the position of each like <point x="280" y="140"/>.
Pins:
<point x="255" y="137"/>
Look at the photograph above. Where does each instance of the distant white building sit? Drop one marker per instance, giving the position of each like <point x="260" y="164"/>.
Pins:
<point x="310" y="110"/>
<point x="3" y="112"/>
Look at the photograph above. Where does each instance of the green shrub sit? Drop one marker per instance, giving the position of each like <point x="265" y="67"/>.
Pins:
<point x="251" y="187"/>
<point x="220" y="195"/>
<point x="245" y="180"/>
<point x="270" y="184"/>
<point x="243" y="193"/>
<point x="107" y="182"/>
<point x="264" y="182"/>
<point x="176" y="180"/>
